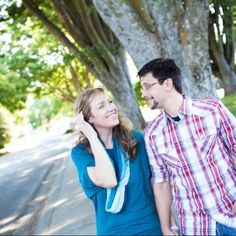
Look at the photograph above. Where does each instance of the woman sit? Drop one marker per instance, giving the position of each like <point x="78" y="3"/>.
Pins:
<point x="113" y="168"/>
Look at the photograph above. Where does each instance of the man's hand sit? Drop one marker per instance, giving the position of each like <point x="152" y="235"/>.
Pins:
<point x="171" y="232"/>
<point x="234" y="208"/>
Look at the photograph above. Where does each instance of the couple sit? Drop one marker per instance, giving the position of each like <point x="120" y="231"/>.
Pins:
<point x="190" y="150"/>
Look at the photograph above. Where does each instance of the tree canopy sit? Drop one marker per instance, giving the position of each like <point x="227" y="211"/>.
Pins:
<point x="32" y="60"/>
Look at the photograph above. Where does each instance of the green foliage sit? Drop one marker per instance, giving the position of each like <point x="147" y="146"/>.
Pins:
<point x="32" y="60"/>
<point x="43" y="110"/>
<point x="159" y="2"/>
<point x="13" y="89"/>
<point x="67" y="109"/>
<point x="4" y="130"/>
<point x="137" y="90"/>
<point x="230" y="102"/>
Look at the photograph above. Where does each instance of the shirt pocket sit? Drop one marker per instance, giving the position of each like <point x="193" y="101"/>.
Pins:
<point x="206" y="143"/>
<point x="199" y="150"/>
<point x="206" y="132"/>
<point x="169" y="155"/>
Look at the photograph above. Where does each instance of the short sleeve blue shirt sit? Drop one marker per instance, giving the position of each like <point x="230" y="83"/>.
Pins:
<point x="138" y="215"/>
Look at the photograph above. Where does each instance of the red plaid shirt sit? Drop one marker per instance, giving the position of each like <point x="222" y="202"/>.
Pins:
<point x="196" y="155"/>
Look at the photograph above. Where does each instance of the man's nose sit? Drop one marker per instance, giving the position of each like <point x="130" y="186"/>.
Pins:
<point x="143" y="93"/>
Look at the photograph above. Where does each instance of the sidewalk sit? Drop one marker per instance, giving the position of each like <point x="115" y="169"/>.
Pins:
<point x="66" y="211"/>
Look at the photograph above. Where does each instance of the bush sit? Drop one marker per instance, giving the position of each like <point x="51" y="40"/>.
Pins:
<point x="230" y="103"/>
<point x="4" y="130"/>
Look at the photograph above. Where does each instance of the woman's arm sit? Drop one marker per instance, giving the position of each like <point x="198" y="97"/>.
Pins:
<point x="103" y="173"/>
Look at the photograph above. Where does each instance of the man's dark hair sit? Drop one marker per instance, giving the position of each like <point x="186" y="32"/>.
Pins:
<point x="162" y="69"/>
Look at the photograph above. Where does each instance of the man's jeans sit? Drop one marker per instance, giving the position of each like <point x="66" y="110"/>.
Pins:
<point x="224" y="230"/>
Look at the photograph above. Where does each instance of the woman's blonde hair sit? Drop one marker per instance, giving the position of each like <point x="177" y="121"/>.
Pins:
<point x="123" y="131"/>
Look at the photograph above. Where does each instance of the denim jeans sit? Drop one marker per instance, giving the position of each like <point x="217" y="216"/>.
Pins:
<point x="224" y="230"/>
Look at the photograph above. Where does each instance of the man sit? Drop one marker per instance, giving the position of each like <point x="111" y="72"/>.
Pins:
<point x="192" y="149"/>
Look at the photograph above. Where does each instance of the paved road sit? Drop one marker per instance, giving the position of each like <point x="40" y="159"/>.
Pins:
<point x="40" y="193"/>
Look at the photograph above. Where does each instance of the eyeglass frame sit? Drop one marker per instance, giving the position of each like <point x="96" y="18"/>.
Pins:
<point x="147" y="87"/>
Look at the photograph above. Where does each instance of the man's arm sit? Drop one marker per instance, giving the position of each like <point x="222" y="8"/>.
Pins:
<point x="163" y="199"/>
<point x="227" y="129"/>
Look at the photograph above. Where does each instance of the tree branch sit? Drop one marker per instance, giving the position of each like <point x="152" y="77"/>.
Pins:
<point x="32" y="6"/>
<point x="71" y="19"/>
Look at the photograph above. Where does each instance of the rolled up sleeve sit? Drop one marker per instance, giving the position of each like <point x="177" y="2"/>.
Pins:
<point x="159" y="172"/>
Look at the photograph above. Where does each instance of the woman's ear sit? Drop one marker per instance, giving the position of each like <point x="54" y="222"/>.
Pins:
<point x="90" y="120"/>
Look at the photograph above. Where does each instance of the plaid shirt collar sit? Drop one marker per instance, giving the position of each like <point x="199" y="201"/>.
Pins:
<point x="188" y="109"/>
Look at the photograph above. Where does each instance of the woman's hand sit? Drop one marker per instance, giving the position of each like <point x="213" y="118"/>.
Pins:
<point x="84" y="126"/>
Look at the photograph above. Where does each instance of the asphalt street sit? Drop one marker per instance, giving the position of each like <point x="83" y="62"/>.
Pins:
<point x="40" y="193"/>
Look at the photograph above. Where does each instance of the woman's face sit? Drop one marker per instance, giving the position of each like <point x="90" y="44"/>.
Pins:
<point x="104" y="113"/>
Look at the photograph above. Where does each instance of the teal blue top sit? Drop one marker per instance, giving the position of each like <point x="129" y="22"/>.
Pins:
<point x="138" y="215"/>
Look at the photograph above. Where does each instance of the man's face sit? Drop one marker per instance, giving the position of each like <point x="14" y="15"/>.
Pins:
<point x="153" y="91"/>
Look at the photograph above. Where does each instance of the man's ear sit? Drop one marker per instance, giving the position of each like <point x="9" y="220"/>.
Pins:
<point x="169" y="84"/>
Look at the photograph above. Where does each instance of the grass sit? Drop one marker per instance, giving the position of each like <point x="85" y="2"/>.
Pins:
<point x="230" y="102"/>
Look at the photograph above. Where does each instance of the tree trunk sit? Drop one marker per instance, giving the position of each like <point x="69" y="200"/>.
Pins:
<point x="227" y="76"/>
<point x="167" y="29"/>
<point x="123" y="92"/>
<point x="223" y="52"/>
<point x="99" y="50"/>
<point x="228" y="22"/>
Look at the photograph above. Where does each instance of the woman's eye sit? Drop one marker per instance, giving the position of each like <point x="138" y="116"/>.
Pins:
<point x="101" y="106"/>
<point x="110" y="101"/>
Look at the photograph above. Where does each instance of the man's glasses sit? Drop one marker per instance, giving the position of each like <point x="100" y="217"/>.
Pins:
<point x="147" y="87"/>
